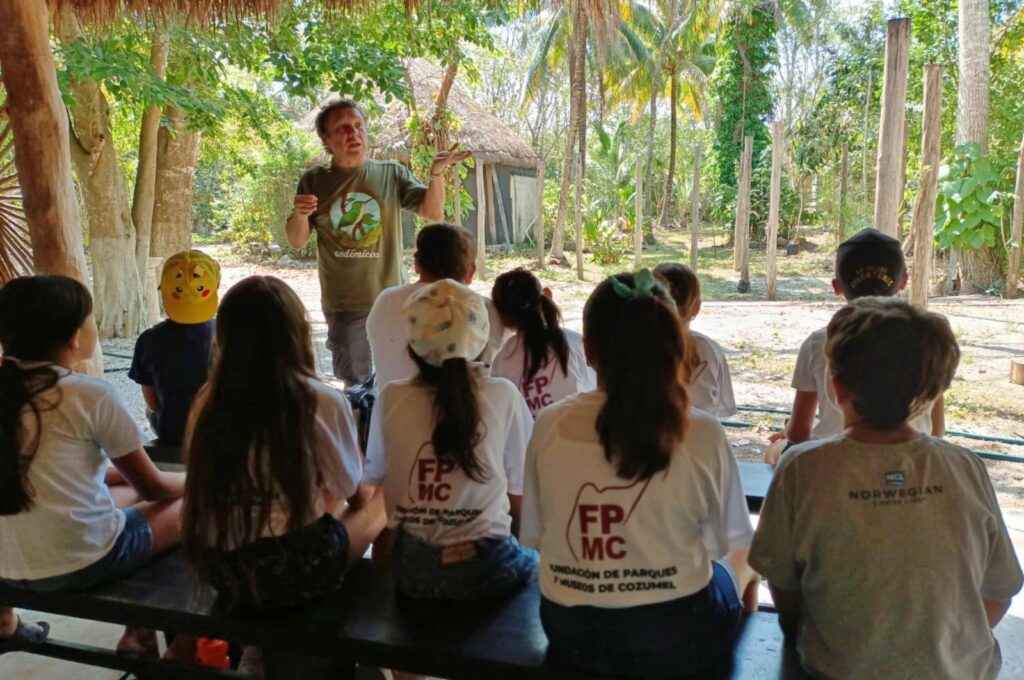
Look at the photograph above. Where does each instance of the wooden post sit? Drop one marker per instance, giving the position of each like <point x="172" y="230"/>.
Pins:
<point x="39" y="126"/>
<point x="638" y="227"/>
<point x="773" y="204"/>
<point x="481" y="215"/>
<point x="539" y="224"/>
<point x="844" y="190"/>
<point x="492" y="230"/>
<point x="695" y="208"/>
<point x="1017" y="230"/>
<point x="1017" y="371"/>
<point x="457" y="182"/>
<point x="866" y="151"/>
<point x="499" y="207"/>
<point x="892" y="148"/>
<point x="578" y="218"/>
<point x="923" y="224"/>
<point x="741" y="235"/>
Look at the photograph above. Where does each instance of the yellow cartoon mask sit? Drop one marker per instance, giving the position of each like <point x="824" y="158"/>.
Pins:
<point x="188" y="286"/>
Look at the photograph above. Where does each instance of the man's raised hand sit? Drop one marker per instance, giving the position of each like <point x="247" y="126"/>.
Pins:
<point x="450" y="157"/>
<point x="305" y="204"/>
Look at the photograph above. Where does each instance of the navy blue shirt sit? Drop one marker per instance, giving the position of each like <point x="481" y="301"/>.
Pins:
<point x="173" y="358"/>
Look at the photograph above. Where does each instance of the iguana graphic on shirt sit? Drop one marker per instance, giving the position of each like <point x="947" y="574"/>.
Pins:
<point x="593" y="532"/>
<point x="356" y="219"/>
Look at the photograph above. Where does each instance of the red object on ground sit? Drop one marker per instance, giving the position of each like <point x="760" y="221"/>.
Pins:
<point x="213" y="653"/>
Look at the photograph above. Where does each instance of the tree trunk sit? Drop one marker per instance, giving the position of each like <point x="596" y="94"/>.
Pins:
<point x="980" y="268"/>
<point x="1016" y="229"/>
<point x="39" y="125"/>
<point x="580" y="92"/>
<point x="774" y="194"/>
<point x="117" y="287"/>
<point x="579" y="37"/>
<point x="178" y="152"/>
<point x="145" y="173"/>
<point x="666" y="193"/>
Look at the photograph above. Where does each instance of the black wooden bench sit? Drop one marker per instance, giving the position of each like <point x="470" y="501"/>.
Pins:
<point x="366" y="622"/>
<point x="755" y="478"/>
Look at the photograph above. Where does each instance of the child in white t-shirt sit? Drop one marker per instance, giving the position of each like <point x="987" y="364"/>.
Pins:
<point x="707" y="369"/>
<point x="68" y="521"/>
<point x="443" y="251"/>
<point x="448" y="447"/>
<point x="632" y="499"/>
<point x="274" y="515"/>
<point x="867" y="264"/>
<point x="884" y="548"/>
<point x="543" y="359"/>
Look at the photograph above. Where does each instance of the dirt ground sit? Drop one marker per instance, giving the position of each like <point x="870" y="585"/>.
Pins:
<point x="761" y="338"/>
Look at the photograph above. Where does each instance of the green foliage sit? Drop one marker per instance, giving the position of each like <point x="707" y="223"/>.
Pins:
<point x="742" y="80"/>
<point x="423" y="136"/>
<point x="971" y="201"/>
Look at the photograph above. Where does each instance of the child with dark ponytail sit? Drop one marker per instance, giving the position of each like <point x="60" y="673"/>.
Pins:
<point x="448" y="447"/>
<point x="62" y="526"/>
<point x="543" y="359"/>
<point x="637" y="496"/>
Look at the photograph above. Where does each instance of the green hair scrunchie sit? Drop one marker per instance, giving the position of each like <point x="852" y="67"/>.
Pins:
<point x="644" y="285"/>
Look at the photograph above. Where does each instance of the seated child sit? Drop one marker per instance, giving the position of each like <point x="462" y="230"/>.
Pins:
<point x="172" y="357"/>
<point x="448" y="449"/>
<point x="707" y="369"/>
<point x="443" y="251"/>
<point x="543" y="359"/>
<point x="62" y="527"/>
<point x="884" y="548"/>
<point x="272" y="457"/>
<point x="633" y="499"/>
<point x="867" y="264"/>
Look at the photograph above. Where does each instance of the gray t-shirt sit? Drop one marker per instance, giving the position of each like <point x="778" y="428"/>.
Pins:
<point x="358" y="223"/>
<point x="892" y="549"/>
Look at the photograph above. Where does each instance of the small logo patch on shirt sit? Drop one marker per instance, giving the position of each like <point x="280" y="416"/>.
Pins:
<point x="896" y="478"/>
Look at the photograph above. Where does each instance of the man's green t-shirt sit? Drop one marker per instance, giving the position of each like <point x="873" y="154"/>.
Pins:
<point x="358" y="223"/>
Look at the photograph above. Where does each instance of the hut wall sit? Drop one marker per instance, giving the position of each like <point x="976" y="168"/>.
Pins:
<point x="504" y="175"/>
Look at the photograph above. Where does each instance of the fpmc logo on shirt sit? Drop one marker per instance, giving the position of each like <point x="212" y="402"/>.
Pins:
<point x="355" y="218"/>
<point x="427" y="479"/>
<point x="540" y="397"/>
<point x="594" y="531"/>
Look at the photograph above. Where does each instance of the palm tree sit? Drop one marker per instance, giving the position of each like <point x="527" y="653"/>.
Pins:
<point x="15" y="250"/>
<point x="566" y="30"/>
<point x="669" y="53"/>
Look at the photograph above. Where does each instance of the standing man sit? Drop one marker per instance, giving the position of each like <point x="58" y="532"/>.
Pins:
<point x="355" y="206"/>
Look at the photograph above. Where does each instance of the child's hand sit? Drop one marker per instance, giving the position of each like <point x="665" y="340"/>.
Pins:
<point x="775" y="449"/>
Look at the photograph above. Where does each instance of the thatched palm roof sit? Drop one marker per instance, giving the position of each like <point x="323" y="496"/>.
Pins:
<point x="195" y="10"/>
<point x="490" y="140"/>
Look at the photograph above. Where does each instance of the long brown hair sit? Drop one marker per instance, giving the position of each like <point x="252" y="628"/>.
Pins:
<point x="684" y="287"/>
<point x="637" y="349"/>
<point x="251" y="434"/>
<point x="457" y="422"/>
<point x="521" y="302"/>
<point x="894" y="358"/>
<point x="39" y="315"/>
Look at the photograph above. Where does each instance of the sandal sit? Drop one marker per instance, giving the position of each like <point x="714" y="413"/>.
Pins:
<point x="25" y="635"/>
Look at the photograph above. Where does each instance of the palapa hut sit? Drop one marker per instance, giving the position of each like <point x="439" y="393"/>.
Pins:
<point x="505" y="164"/>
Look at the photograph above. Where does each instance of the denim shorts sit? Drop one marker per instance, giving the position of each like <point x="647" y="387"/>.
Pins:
<point x="133" y="548"/>
<point x="484" y="569"/>
<point x="687" y="637"/>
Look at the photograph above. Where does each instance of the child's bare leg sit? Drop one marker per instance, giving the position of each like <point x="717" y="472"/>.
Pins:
<point x="164" y="519"/>
<point x="747" y="580"/>
<point x="8" y="622"/>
